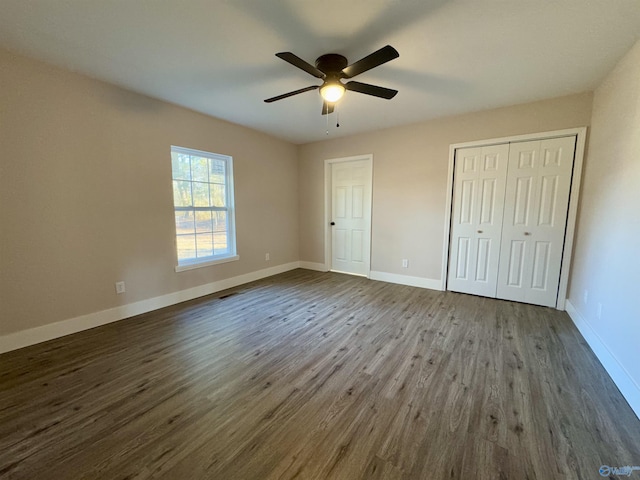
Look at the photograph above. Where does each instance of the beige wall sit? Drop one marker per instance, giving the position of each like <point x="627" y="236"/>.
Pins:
<point x="410" y="179"/>
<point x="607" y="251"/>
<point x="86" y="198"/>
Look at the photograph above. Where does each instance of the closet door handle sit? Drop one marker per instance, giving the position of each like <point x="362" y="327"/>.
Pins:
<point x="479" y="231"/>
<point x="527" y="233"/>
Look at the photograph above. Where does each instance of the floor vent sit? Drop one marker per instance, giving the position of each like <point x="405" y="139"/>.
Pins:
<point x="228" y="295"/>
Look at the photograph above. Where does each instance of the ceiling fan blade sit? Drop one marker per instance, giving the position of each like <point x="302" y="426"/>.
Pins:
<point x="300" y="63"/>
<point x="371" y="90"/>
<point x="327" y="108"/>
<point x="378" y="57"/>
<point x="291" y="94"/>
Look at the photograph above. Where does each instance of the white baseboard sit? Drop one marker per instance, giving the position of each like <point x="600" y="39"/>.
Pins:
<point x="625" y="383"/>
<point x="319" y="267"/>
<point x="406" y="280"/>
<point x="24" y="338"/>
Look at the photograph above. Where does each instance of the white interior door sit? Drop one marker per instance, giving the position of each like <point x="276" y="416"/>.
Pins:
<point x="479" y="188"/>
<point x="351" y="216"/>
<point x="535" y="216"/>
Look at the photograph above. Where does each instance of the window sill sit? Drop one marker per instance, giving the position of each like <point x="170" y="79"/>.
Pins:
<point x="192" y="266"/>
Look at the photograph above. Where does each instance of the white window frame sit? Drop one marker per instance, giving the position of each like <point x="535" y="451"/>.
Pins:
<point x="232" y="255"/>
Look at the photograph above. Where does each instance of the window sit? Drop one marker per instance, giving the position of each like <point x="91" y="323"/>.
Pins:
<point x="203" y="202"/>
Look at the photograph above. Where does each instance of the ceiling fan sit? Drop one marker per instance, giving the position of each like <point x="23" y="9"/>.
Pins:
<point x="332" y="68"/>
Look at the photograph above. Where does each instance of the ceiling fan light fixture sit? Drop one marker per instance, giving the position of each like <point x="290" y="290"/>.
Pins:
<point x="332" y="92"/>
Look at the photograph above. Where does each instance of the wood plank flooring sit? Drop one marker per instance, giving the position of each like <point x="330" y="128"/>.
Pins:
<point x="310" y="375"/>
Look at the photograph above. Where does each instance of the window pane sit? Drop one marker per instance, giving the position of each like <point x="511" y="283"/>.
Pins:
<point x="186" y="246"/>
<point x="182" y="193"/>
<point x="218" y="195"/>
<point x="216" y="171"/>
<point x="200" y="169"/>
<point x="220" y="222"/>
<point x="204" y="243"/>
<point x="201" y="194"/>
<point x="181" y="166"/>
<point x="220" y="244"/>
<point x="204" y="222"/>
<point x="184" y="223"/>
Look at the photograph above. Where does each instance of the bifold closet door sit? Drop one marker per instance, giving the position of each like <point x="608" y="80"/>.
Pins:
<point x="535" y="217"/>
<point x="480" y="178"/>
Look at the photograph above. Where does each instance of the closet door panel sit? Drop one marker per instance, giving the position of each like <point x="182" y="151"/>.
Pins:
<point x="479" y="182"/>
<point x="536" y="206"/>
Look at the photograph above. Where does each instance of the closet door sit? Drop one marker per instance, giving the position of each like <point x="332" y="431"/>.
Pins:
<point x="479" y="189"/>
<point x="535" y="217"/>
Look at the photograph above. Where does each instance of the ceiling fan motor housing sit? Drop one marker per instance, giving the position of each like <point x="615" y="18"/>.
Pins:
<point x="331" y="64"/>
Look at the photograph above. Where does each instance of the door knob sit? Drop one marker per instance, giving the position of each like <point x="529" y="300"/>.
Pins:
<point x="527" y="233"/>
<point x="479" y="231"/>
<point x="332" y="223"/>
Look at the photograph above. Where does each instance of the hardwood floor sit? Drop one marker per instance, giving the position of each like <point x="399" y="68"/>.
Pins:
<point x="310" y="375"/>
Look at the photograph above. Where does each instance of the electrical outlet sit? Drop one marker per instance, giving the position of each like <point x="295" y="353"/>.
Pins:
<point x="266" y="257"/>
<point x="599" y="311"/>
<point x="120" y="288"/>
<point x="585" y="297"/>
<point x="405" y="263"/>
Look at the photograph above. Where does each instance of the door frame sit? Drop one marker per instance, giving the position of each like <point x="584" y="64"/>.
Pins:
<point x="328" y="253"/>
<point x="576" y="179"/>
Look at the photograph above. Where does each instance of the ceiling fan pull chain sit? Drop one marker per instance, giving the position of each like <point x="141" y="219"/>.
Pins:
<point x="337" y="118"/>
<point x="326" y="105"/>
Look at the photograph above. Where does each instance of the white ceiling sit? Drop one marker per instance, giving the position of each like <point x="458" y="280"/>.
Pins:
<point x="217" y="56"/>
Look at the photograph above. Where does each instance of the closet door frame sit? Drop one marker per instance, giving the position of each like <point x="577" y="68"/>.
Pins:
<point x="576" y="180"/>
